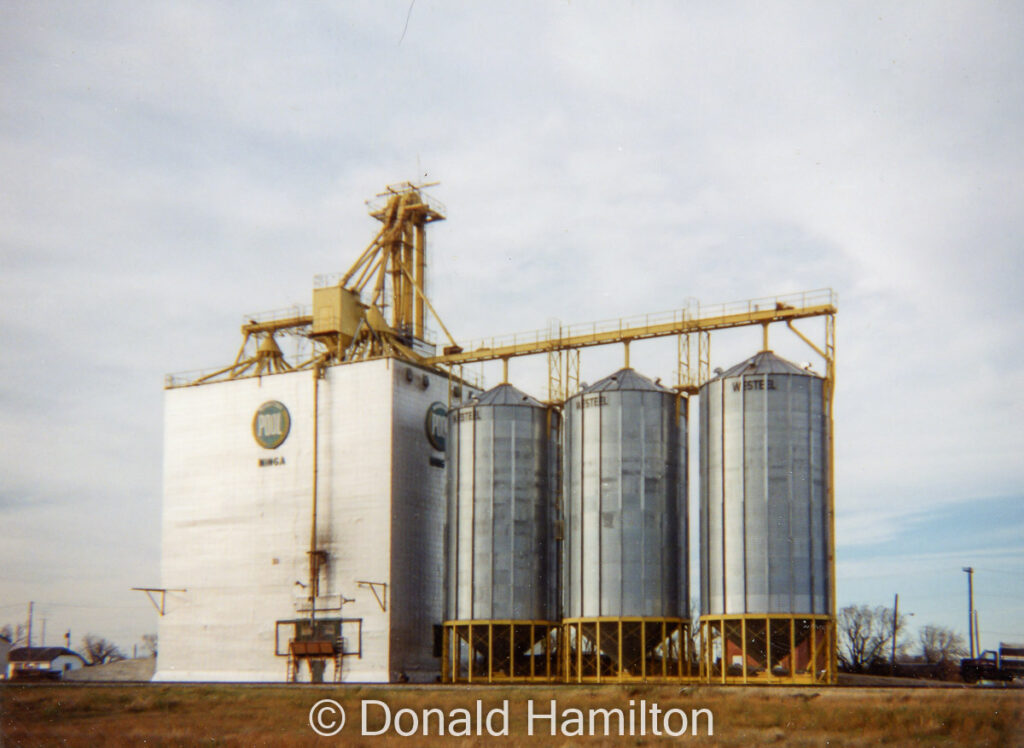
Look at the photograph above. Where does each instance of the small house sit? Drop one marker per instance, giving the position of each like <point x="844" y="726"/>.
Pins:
<point x="42" y="662"/>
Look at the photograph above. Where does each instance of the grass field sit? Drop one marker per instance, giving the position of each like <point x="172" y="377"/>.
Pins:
<point x="233" y="715"/>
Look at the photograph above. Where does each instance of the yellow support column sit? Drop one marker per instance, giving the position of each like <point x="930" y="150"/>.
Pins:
<point x="421" y="277"/>
<point x="792" y="647"/>
<point x="643" y="649"/>
<point x="814" y="651"/>
<point x="490" y="653"/>
<point x="445" y="664"/>
<point x="665" y="646"/>
<point x="743" y="633"/>
<point x="547" y="651"/>
<point x="721" y="638"/>
<point x="408" y="295"/>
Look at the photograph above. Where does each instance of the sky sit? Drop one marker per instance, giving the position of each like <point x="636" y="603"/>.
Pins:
<point x="171" y="167"/>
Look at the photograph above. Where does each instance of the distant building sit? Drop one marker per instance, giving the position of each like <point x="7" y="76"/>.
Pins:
<point x="5" y="647"/>
<point x="42" y="662"/>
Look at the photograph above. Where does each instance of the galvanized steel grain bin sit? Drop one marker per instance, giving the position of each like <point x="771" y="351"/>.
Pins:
<point x="499" y="537"/>
<point x="625" y="500"/>
<point x="764" y="527"/>
<point x="501" y="564"/>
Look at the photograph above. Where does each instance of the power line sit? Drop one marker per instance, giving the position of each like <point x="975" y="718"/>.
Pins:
<point x="946" y="596"/>
<point x="999" y="571"/>
<point x="79" y="605"/>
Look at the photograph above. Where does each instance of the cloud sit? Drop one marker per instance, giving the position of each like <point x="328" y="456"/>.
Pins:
<point x="173" y="167"/>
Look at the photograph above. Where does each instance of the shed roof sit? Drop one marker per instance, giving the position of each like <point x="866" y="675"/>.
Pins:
<point x="40" y="654"/>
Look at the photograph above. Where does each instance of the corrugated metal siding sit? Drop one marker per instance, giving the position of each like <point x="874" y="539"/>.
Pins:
<point x="764" y="527"/>
<point x="499" y="520"/>
<point x="235" y="534"/>
<point x="626" y="519"/>
<point x="417" y="522"/>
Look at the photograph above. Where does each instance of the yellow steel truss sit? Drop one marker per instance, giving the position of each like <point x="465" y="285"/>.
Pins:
<point x="563" y="374"/>
<point x="680" y="322"/>
<point x="692" y="326"/>
<point x="768" y="649"/>
<point x="626" y="649"/>
<point x="489" y="651"/>
<point x="775" y="649"/>
<point x="694" y="353"/>
<point x="828" y="353"/>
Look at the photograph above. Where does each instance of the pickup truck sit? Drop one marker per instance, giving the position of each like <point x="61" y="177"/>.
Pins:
<point x="1005" y="664"/>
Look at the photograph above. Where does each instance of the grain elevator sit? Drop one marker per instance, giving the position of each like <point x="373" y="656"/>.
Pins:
<point x="365" y="510"/>
<point x="303" y="515"/>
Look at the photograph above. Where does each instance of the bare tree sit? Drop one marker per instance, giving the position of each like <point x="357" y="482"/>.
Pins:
<point x="149" y="644"/>
<point x="941" y="645"/>
<point x="98" y="650"/>
<point x="14" y="634"/>
<point x="865" y="636"/>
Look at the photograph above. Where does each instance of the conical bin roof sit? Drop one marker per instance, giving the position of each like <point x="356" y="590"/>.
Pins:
<point x="623" y="380"/>
<point x="504" y="394"/>
<point x="764" y="362"/>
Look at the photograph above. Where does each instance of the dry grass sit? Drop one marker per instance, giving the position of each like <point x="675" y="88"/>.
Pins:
<point x="166" y="715"/>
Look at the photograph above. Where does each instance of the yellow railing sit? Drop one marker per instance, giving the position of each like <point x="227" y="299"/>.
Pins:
<point x="695" y="317"/>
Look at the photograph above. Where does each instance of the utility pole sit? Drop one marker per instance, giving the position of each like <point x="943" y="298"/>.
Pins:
<point x="895" y="623"/>
<point x="29" y="636"/>
<point x="977" y="633"/>
<point x="970" y="606"/>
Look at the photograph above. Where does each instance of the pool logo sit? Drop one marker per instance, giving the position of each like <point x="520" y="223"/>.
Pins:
<point x="437" y="425"/>
<point x="271" y="424"/>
